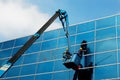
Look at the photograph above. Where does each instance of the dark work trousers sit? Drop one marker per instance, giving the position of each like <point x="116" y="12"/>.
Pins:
<point x="84" y="74"/>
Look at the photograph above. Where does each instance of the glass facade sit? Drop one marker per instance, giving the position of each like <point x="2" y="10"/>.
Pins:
<point x="43" y="60"/>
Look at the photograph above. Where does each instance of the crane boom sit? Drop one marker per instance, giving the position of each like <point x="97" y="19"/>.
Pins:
<point x="64" y="20"/>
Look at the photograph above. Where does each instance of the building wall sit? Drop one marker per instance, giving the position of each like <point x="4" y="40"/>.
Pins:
<point x="43" y="60"/>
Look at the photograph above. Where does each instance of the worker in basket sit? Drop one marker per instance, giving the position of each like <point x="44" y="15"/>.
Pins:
<point x="66" y="55"/>
<point x="83" y="48"/>
<point x="83" y="74"/>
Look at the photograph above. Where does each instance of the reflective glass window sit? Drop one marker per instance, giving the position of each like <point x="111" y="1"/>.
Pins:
<point x="21" y="41"/>
<point x="106" y="58"/>
<point x="106" y="45"/>
<point x="28" y="69"/>
<point x="71" y="73"/>
<point x="119" y="70"/>
<point x="106" y="33"/>
<point x="0" y="46"/>
<point x="31" y="58"/>
<point x="86" y="27"/>
<point x="58" y="65"/>
<point x="47" y="55"/>
<point x="5" y="53"/>
<point x="106" y="22"/>
<point x="27" y="78"/>
<point x="50" y="35"/>
<point x="72" y="30"/>
<point x="118" y="31"/>
<point x="61" y="76"/>
<point x="106" y="72"/>
<point x="13" y="71"/>
<point x="119" y="56"/>
<point x="62" y="42"/>
<point x="61" y="32"/>
<point x="118" y="20"/>
<point x="59" y="53"/>
<point x="86" y="36"/>
<point x="2" y="61"/>
<point x="119" y="43"/>
<point x="44" y="77"/>
<point x="11" y="79"/>
<point x="45" y="67"/>
<point x="8" y="44"/>
<point x="49" y="45"/>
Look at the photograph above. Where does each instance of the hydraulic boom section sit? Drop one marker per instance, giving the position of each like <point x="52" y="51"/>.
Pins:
<point x="64" y="20"/>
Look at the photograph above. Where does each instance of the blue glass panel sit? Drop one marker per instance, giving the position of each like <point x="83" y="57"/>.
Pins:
<point x="58" y="65"/>
<point x="45" y="67"/>
<point x="0" y="46"/>
<point x="106" y="45"/>
<point x="118" y="20"/>
<point x="72" y="40"/>
<point x="14" y="71"/>
<point x="90" y="47"/>
<point x="71" y="74"/>
<point x="59" y="53"/>
<point x="87" y="36"/>
<point x="61" y="76"/>
<point x="27" y="78"/>
<point x="118" y="31"/>
<point x="119" y="56"/>
<point x="47" y="55"/>
<point x="86" y="27"/>
<point x="105" y="72"/>
<point x="32" y="58"/>
<point x="2" y="61"/>
<point x="21" y="41"/>
<point x="61" y="32"/>
<point x="62" y="42"/>
<point x="106" y="33"/>
<point x="50" y="35"/>
<point x="8" y="44"/>
<point x="28" y="69"/>
<point x="5" y="53"/>
<point x="119" y="43"/>
<point x="106" y="58"/>
<point x="49" y="45"/>
<point x="119" y="70"/>
<point x="44" y="77"/>
<point x="72" y="30"/>
<point x="34" y="48"/>
<point x="107" y="22"/>
<point x="11" y="79"/>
